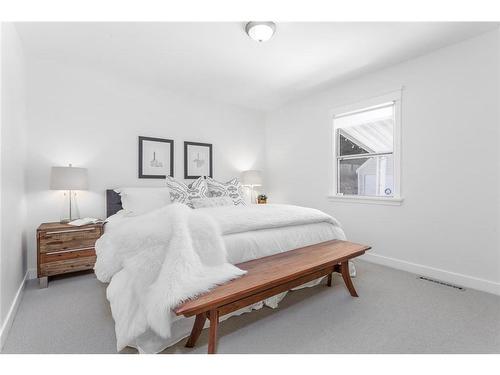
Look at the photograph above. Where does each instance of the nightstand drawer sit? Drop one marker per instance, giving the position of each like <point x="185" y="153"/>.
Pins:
<point x="68" y="239"/>
<point x="58" y="246"/>
<point x="54" y="256"/>
<point x="67" y="265"/>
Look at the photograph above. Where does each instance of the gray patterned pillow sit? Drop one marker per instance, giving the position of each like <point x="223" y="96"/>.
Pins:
<point x="182" y="193"/>
<point x="212" y="202"/>
<point x="231" y="189"/>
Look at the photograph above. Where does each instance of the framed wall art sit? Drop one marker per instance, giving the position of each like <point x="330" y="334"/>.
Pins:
<point x="156" y="157"/>
<point x="197" y="160"/>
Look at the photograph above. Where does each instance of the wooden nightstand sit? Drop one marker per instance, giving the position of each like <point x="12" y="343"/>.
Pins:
<point x="63" y="248"/>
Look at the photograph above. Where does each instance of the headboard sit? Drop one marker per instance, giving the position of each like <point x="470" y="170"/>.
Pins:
<point x="113" y="202"/>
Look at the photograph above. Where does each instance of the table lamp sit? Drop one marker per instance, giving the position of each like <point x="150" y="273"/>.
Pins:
<point x="251" y="178"/>
<point x="69" y="179"/>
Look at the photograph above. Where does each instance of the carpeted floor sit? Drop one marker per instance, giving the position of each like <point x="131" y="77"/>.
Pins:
<point x="395" y="313"/>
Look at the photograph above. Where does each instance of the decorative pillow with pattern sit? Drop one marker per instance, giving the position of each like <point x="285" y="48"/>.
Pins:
<point x="212" y="202"/>
<point x="182" y="193"/>
<point x="231" y="189"/>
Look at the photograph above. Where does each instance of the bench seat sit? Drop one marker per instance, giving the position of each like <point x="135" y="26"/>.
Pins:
<point x="267" y="277"/>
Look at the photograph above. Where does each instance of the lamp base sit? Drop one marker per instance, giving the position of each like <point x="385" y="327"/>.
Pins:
<point x="72" y="212"/>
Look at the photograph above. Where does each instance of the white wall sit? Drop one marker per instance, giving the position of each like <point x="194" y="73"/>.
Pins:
<point x="92" y="120"/>
<point x="447" y="226"/>
<point x="12" y="186"/>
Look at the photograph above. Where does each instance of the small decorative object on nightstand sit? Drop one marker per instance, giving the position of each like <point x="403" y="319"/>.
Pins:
<point x="63" y="248"/>
<point x="262" y="199"/>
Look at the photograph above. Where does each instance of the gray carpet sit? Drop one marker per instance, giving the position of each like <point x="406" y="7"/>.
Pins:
<point x="395" y="313"/>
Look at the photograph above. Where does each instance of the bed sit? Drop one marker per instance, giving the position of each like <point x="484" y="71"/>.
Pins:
<point x="240" y="247"/>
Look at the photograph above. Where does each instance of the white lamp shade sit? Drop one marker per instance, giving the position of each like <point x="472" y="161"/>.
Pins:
<point x="251" y="178"/>
<point x="68" y="178"/>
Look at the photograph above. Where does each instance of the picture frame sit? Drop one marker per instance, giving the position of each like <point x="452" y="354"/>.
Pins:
<point x="198" y="160"/>
<point x="156" y="157"/>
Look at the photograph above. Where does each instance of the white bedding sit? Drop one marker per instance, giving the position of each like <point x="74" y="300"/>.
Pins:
<point x="241" y="245"/>
<point x="245" y="246"/>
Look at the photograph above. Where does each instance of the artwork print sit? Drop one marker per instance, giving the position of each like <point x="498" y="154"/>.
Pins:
<point x="197" y="160"/>
<point x="156" y="157"/>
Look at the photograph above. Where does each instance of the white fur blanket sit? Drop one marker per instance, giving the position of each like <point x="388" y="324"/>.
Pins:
<point x="155" y="261"/>
<point x="239" y="219"/>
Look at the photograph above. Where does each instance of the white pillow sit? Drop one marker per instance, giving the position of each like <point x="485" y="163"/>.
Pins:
<point x="140" y="200"/>
<point x="182" y="193"/>
<point x="212" y="202"/>
<point x="231" y="189"/>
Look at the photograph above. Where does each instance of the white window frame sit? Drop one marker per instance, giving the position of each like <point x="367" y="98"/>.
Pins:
<point x="396" y="199"/>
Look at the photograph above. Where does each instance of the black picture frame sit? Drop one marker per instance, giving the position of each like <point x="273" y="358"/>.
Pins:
<point x="187" y="176"/>
<point x="141" y="149"/>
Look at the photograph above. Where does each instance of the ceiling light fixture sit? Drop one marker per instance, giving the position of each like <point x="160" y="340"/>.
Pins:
<point x="260" y="31"/>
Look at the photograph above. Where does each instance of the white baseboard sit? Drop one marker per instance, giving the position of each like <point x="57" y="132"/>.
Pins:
<point x="9" y="319"/>
<point x="436" y="273"/>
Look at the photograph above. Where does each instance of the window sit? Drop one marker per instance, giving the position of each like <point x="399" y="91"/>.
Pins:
<point x="366" y="151"/>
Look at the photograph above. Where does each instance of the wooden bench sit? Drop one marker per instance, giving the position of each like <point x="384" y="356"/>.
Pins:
<point x="267" y="277"/>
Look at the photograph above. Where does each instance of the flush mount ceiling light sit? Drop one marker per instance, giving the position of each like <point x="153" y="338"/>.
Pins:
<point x="260" y="31"/>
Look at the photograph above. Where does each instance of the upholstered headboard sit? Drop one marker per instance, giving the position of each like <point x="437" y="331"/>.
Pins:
<point x="113" y="202"/>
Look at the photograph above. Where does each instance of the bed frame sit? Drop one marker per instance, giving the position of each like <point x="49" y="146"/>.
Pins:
<point x="113" y="202"/>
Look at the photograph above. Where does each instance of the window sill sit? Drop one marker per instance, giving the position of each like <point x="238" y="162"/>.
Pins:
<point x="366" y="200"/>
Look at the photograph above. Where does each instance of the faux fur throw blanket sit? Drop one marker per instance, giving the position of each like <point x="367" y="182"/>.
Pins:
<point x="155" y="261"/>
<point x="264" y="216"/>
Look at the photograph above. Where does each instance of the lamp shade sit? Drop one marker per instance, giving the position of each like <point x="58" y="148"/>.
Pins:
<point x="68" y="178"/>
<point x="251" y="178"/>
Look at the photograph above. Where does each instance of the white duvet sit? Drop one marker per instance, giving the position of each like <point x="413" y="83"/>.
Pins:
<point x="232" y="219"/>
<point x="155" y="261"/>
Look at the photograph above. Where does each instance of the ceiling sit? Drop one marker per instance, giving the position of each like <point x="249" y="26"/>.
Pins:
<point x="217" y="60"/>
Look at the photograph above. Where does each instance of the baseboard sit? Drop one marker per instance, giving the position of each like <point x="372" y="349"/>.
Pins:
<point x="4" y="331"/>
<point x="436" y="273"/>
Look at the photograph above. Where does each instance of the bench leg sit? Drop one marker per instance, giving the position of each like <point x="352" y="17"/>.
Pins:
<point x="329" y="282"/>
<point x="212" y="335"/>
<point x="344" y="269"/>
<point x="198" y="325"/>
